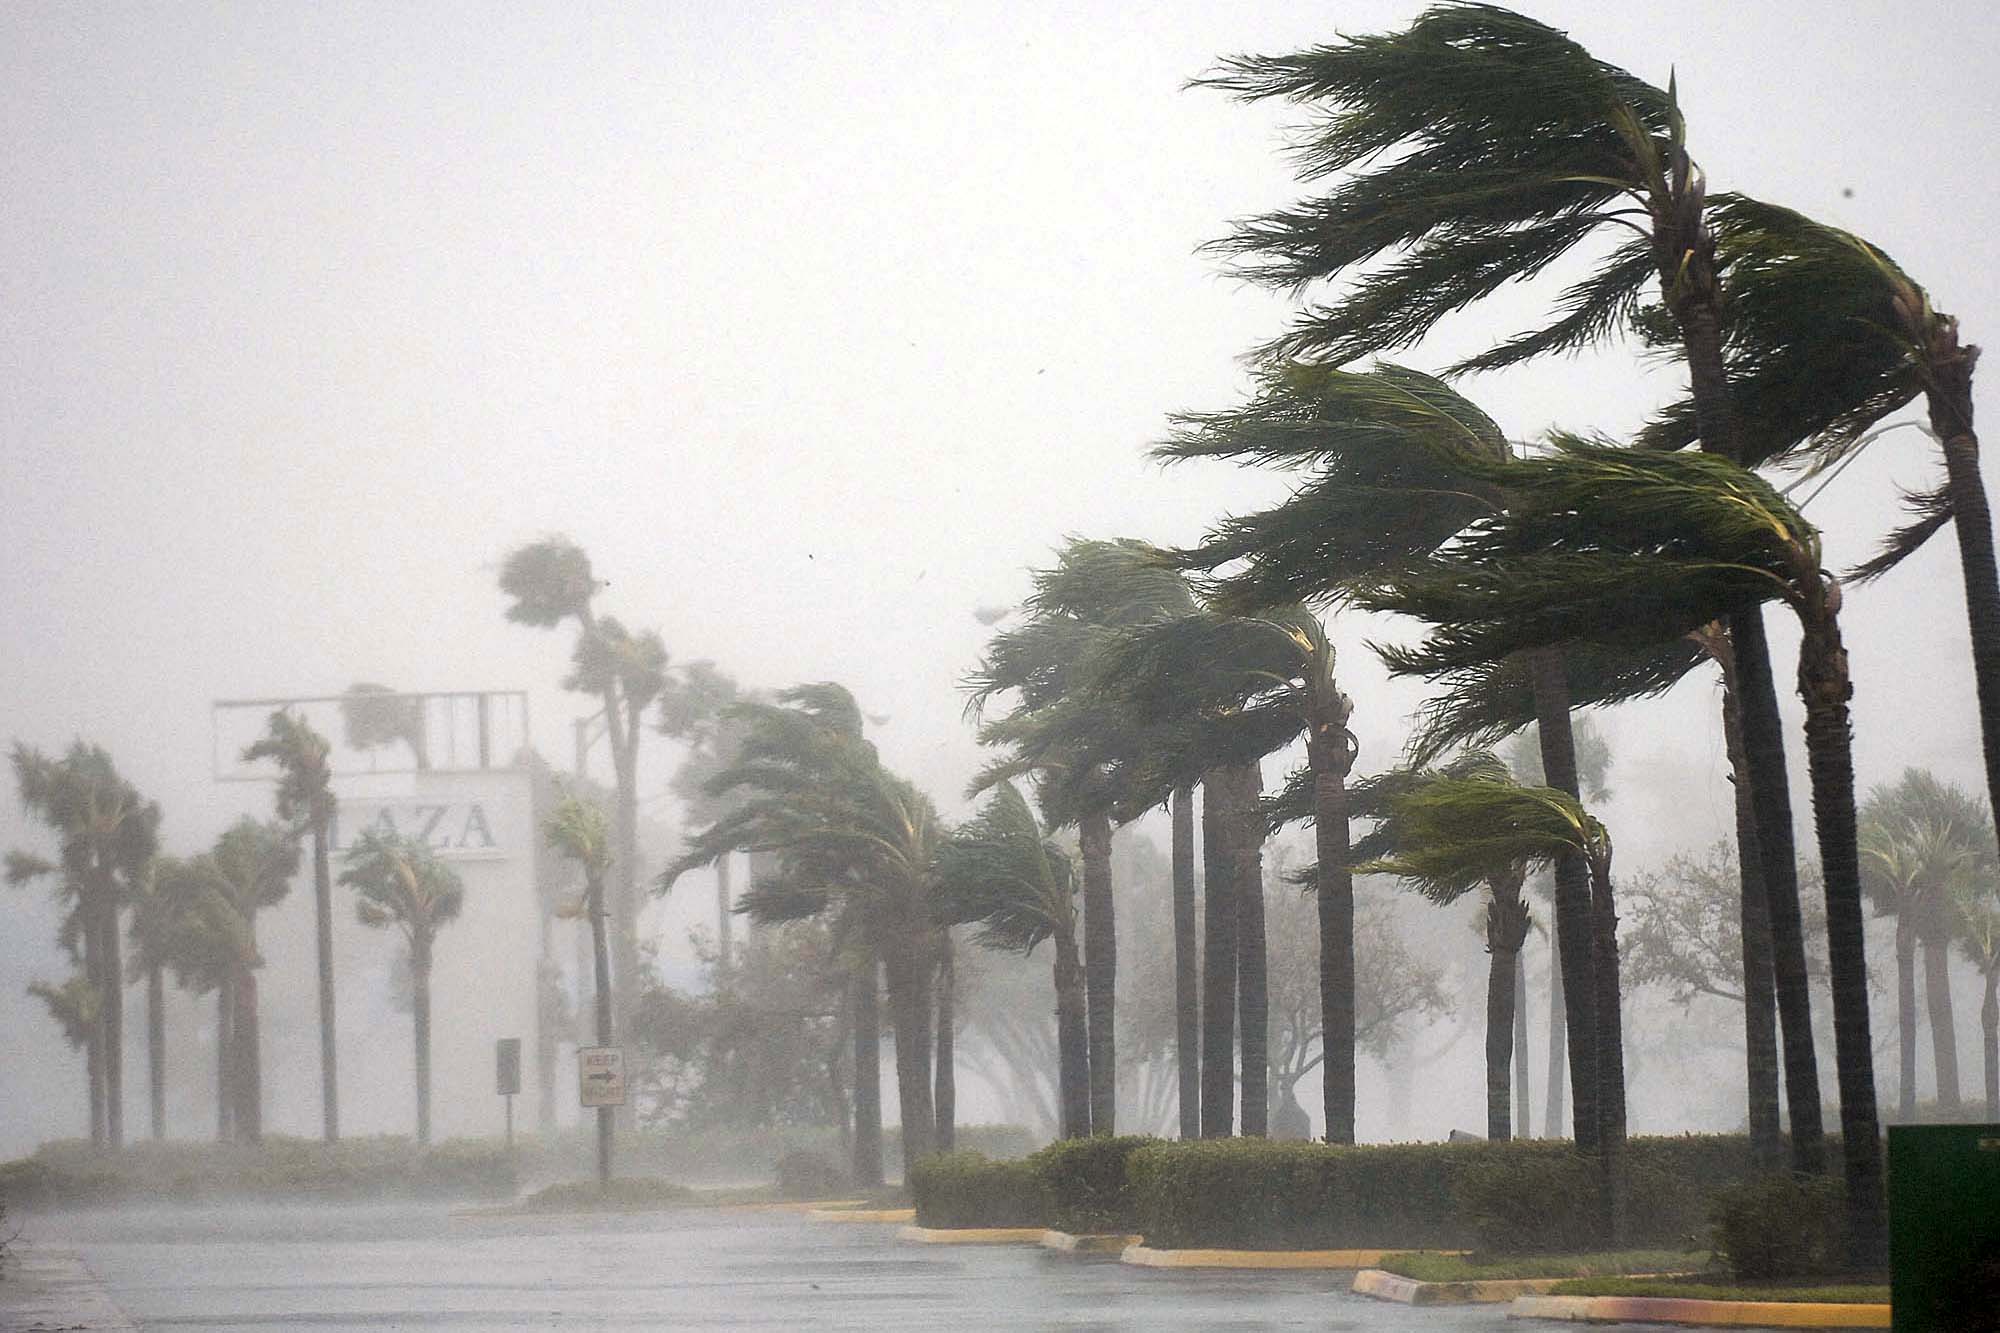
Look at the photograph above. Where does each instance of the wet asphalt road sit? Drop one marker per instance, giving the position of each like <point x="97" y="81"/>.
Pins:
<point x="376" y="1268"/>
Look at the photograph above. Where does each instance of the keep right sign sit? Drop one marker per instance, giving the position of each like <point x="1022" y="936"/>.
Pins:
<point x="601" y="1075"/>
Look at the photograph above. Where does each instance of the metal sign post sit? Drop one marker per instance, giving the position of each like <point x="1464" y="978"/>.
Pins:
<point x="600" y="1073"/>
<point x="507" y="1077"/>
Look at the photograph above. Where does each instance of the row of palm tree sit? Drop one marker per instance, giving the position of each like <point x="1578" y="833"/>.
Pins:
<point x="196" y="917"/>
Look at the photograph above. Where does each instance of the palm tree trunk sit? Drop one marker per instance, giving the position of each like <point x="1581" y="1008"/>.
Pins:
<point x="625" y="910"/>
<point x="601" y="965"/>
<point x="945" y="1093"/>
<point x="1764" y="755"/>
<point x="1685" y="251"/>
<point x="1950" y="400"/>
<point x="1556" y="1078"/>
<point x="1499" y="1037"/>
<point x="1989" y="1027"/>
<point x="249" y="1060"/>
<point x="1187" y="995"/>
<point x="1824" y="683"/>
<point x="420" y="984"/>
<point x="1944" y="1025"/>
<point x="1072" y="1039"/>
<point x="1906" y="1021"/>
<point x="867" y="1073"/>
<point x="908" y="974"/>
<point x="1522" y="1127"/>
<point x="1610" y="1044"/>
<point x="225" y="1065"/>
<point x="1576" y="948"/>
<point x="1252" y="980"/>
<point x="1330" y="757"/>
<point x="156" y="1049"/>
<point x="329" y="1078"/>
<point x="725" y="919"/>
<point x="1218" y="962"/>
<point x="93" y="1042"/>
<point x="1100" y="968"/>
<point x="112" y="1002"/>
<point x="1760" y="1014"/>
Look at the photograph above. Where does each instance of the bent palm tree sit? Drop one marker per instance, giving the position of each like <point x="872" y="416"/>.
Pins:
<point x="1000" y="873"/>
<point x="1626" y="546"/>
<point x="1475" y="148"/>
<point x="402" y="883"/>
<point x="576" y="830"/>
<point x="306" y="802"/>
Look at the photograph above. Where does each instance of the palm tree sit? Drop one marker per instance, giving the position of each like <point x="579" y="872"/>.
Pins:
<point x="1919" y="839"/>
<point x="1002" y="874"/>
<point x="202" y="948"/>
<point x="249" y="868"/>
<point x="1095" y="590"/>
<point x="576" y="830"/>
<point x="107" y="833"/>
<point x="153" y="932"/>
<point x="692" y="707"/>
<point x="1475" y="148"/>
<point x="1630" y="546"/>
<point x="551" y="581"/>
<point x="403" y="883"/>
<point x="306" y="802"/>
<point x="849" y="838"/>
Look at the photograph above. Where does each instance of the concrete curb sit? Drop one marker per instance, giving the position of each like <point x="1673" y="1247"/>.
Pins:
<point x="862" y="1214"/>
<point x="55" y="1289"/>
<point x="1707" y="1314"/>
<point x="1064" y="1242"/>
<point x="1333" y="1260"/>
<point x="971" y="1235"/>
<point x="1386" y="1286"/>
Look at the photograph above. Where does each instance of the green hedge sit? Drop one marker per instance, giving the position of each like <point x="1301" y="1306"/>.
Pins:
<point x="1780" y="1226"/>
<point x="1089" y="1191"/>
<point x="73" y="1174"/>
<point x="968" y="1189"/>
<point x="1528" y="1196"/>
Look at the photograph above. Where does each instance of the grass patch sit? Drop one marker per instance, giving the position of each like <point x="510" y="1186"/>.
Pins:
<point x="1460" y="1268"/>
<point x="620" y="1195"/>
<point x="1708" y="1289"/>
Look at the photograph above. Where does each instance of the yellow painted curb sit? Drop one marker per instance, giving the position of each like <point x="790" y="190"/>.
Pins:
<point x="793" y="1206"/>
<point x="1386" y="1286"/>
<point x="863" y="1214"/>
<point x="971" y="1235"/>
<point x="1069" y="1243"/>
<point x="1710" y="1314"/>
<point x="1145" y="1257"/>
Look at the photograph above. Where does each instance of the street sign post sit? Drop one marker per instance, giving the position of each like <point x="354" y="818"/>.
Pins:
<point x="601" y="1075"/>
<point x="507" y="1077"/>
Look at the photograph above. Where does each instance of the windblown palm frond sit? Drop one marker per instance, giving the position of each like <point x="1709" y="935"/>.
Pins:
<point x="999" y="872"/>
<point x="550" y="580"/>
<point x="305" y="790"/>
<point x="401" y="882"/>
<point x="1456" y="833"/>
<point x="1932" y="510"/>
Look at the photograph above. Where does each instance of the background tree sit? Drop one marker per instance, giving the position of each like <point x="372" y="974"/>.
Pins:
<point x="1979" y="935"/>
<point x="153" y="931"/>
<point x="402" y="883"/>
<point x="73" y="1004"/>
<point x="249" y="869"/>
<point x="373" y="716"/>
<point x="694" y="703"/>
<point x="107" y="833"/>
<point x="576" y="830"/>
<point x="306" y="802"/>
<point x="551" y="581"/>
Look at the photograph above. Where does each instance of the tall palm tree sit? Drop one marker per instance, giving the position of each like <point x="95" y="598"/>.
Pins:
<point x="306" y="802"/>
<point x="576" y="830"/>
<point x="402" y="883"/>
<point x="1095" y="590"/>
<point x="249" y="868"/>
<point x="1623" y="546"/>
<point x="693" y="704"/>
<point x="1001" y="873"/>
<point x="202" y="949"/>
<point x="1473" y="149"/>
<point x="849" y="838"/>
<point x="551" y="581"/>
<point x="153" y="932"/>
<point x="1979" y="936"/>
<point x="1222" y="691"/>
<point x="107" y="833"/>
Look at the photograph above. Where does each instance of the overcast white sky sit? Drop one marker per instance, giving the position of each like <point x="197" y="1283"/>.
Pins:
<point x="817" y="325"/>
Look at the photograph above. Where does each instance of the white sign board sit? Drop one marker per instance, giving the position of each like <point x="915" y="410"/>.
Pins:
<point x="601" y="1075"/>
<point x="454" y="826"/>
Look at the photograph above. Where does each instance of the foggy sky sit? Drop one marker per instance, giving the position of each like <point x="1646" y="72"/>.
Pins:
<point x="815" y="325"/>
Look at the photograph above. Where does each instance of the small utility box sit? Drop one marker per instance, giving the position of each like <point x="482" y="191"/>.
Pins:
<point x="1944" y="1228"/>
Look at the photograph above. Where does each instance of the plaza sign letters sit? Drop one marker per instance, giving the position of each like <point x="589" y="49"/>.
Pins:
<point x="452" y="828"/>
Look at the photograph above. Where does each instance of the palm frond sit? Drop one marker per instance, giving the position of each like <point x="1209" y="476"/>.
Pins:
<point x="1933" y="513"/>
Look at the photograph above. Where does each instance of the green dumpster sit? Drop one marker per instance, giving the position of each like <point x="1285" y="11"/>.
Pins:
<point x="1944" y="1228"/>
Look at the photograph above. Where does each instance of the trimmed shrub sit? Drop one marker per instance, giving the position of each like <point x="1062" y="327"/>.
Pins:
<point x="1086" y="1183"/>
<point x="968" y="1189"/>
<point x="805" y="1174"/>
<point x="1514" y="1204"/>
<point x="1780" y="1226"/>
<point x="621" y="1194"/>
